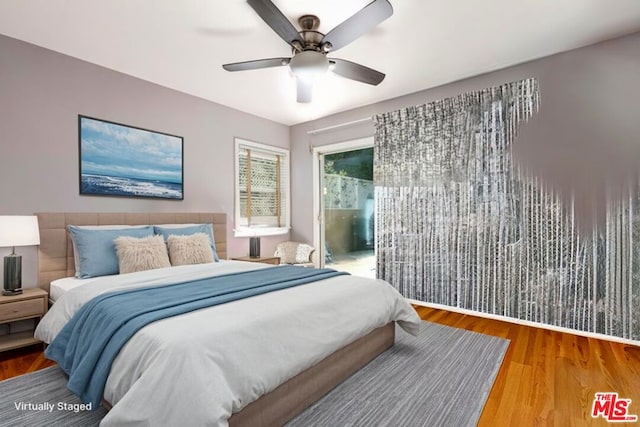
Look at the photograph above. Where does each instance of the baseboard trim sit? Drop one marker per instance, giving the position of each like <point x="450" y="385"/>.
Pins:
<point x="526" y="323"/>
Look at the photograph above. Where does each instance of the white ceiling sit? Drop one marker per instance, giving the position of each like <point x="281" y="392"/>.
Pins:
<point x="181" y="44"/>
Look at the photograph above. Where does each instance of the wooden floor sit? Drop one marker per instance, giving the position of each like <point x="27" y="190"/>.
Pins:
<point x="22" y="360"/>
<point x="547" y="378"/>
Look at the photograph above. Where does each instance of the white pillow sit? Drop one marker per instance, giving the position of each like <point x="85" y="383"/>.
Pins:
<point x="191" y="249"/>
<point x="140" y="254"/>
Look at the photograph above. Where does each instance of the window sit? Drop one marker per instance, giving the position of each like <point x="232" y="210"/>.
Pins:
<point x="262" y="189"/>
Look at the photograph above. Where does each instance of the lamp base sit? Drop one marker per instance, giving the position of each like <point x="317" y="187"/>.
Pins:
<point x="254" y="247"/>
<point x="12" y="275"/>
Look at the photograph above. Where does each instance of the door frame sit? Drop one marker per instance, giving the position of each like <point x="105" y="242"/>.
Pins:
<point x="318" y="186"/>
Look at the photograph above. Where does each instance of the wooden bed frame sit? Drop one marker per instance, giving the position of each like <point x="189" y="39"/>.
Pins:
<point x="275" y="408"/>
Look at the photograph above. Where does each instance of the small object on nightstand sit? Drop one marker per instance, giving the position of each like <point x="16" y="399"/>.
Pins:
<point x="16" y="230"/>
<point x="31" y="304"/>
<point x="254" y="247"/>
<point x="266" y="260"/>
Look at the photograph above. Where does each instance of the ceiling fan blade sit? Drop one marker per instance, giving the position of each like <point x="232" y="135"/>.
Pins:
<point x="275" y="19"/>
<point x="354" y="71"/>
<point x="304" y="90"/>
<point x="256" y="64"/>
<point x="363" y="21"/>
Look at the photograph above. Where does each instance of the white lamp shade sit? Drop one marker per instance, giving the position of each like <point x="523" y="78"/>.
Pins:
<point x="17" y="230"/>
<point x="309" y="64"/>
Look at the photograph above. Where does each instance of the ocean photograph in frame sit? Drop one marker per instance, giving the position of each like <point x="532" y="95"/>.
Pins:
<point x="127" y="161"/>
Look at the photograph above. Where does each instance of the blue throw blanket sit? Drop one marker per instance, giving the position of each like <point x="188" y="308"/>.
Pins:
<point x="87" y="345"/>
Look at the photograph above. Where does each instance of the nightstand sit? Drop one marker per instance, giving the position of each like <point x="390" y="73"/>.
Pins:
<point x="264" y="259"/>
<point x="31" y="304"/>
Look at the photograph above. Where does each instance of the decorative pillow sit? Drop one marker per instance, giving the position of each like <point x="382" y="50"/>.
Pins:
<point x="168" y="230"/>
<point x="109" y="227"/>
<point x="140" y="254"/>
<point x="99" y="227"/>
<point x="193" y="249"/>
<point x="94" y="250"/>
<point x="294" y="252"/>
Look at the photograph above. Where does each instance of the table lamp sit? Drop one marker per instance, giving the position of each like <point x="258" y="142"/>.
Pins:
<point x="16" y="230"/>
<point x="254" y="247"/>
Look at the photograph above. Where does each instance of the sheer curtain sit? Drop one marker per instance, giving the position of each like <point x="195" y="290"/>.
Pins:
<point x="458" y="224"/>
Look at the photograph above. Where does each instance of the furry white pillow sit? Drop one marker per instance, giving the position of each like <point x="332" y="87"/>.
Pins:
<point x="140" y="254"/>
<point x="192" y="249"/>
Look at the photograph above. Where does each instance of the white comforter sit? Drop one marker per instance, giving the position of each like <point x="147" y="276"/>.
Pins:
<point x="200" y="367"/>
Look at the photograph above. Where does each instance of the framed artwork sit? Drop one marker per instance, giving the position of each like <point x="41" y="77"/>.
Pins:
<point x="121" y="160"/>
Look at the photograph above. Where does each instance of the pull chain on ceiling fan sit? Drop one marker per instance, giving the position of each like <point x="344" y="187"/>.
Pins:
<point x="310" y="47"/>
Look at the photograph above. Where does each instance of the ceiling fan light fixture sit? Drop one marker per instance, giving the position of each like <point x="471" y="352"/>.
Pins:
<point x="310" y="47"/>
<point x="309" y="64"/>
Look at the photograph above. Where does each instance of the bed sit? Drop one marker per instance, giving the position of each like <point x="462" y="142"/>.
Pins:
<point x="347" y="322"/>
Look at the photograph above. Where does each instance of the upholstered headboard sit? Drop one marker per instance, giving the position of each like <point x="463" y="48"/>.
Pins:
<point x="55" y="255"/>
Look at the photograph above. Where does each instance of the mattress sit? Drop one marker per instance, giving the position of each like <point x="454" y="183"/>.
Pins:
<point x="201" y="367"/>
<point x="59" y="287"/>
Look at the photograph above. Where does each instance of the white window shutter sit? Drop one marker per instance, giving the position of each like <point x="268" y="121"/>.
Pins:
<point x="262" y="189"/>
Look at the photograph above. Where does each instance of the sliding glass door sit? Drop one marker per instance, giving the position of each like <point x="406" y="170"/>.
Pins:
<point x="347" y="208"/>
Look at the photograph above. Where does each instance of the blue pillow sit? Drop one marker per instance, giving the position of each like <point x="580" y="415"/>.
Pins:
<point x="165" y="232"/>
<point x="95" y="252"/>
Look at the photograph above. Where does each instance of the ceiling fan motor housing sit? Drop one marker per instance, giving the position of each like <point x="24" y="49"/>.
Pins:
<point x="311" y="37"/>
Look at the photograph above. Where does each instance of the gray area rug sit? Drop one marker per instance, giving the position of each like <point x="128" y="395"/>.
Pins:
<point x="441" y="378"/>
<point x="45" y="387"/>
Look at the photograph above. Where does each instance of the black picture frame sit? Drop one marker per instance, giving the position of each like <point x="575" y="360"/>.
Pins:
<point x="119" y="160"/>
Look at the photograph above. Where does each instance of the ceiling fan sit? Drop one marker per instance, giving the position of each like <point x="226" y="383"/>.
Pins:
<point x="310" y="47"/>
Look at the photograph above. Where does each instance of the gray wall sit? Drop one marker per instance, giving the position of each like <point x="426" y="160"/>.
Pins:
<point x="41" y="95"/>
<point x="586" y="137"/>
